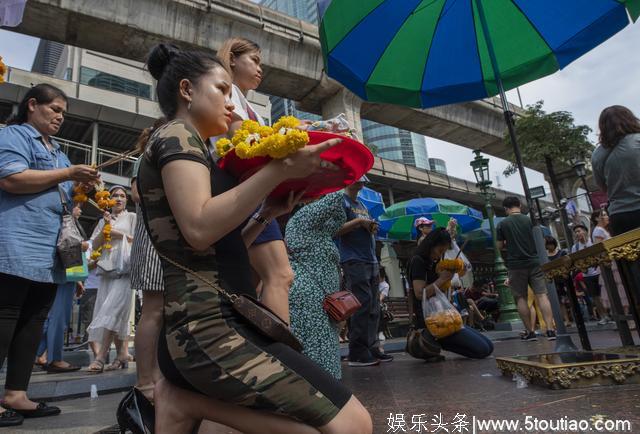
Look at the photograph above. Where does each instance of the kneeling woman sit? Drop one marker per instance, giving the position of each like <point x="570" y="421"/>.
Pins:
<point x="216" y="366"/>
<point x="466" y="342"/>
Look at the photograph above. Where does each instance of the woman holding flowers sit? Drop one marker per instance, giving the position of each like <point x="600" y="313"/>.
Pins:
<point x="111" y="316"/>
<point x="217" y="366"/>
<point x="32" y="166"/>
<point x="426" y="275"/>
<point x="267" y="250"/>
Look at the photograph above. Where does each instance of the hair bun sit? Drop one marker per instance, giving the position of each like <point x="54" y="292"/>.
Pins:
<point x="159" y="58"/>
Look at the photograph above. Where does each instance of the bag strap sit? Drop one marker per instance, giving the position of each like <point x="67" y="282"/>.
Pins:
<point x="230" y="297"/>
<point x="411" y="297"/>
<point x="63" y="201"/>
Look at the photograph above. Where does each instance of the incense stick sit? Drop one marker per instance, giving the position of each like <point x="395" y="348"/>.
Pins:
<point x="117" y="159"/>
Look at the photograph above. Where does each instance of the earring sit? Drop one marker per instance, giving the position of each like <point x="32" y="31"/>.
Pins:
<point x="189" y="106"/>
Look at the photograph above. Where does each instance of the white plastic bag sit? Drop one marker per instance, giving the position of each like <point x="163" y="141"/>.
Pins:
<point x="440" y="316"/>
<point x="123" y="266"/>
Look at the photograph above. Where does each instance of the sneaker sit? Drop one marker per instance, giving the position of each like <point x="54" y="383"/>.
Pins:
<point x="604" y="321"/>
<point x="531" y="336"/>
<point x="551" y="335"/>
<point x="383" y="357"/>
<point x="371" y="361"/>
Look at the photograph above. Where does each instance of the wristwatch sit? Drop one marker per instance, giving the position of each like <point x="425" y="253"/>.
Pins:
<point x="260" y="219"/>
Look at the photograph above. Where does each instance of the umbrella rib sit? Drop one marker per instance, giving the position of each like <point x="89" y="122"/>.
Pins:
<point x="355" y="26"/>
<point x="386" y="48"/>
<point x="435" y="30"/>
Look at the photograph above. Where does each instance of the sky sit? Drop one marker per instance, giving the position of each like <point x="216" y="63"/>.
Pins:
<point x="606" y="76"/>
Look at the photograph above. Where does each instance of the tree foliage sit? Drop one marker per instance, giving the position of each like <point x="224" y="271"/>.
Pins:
<point x="554" y="135"/>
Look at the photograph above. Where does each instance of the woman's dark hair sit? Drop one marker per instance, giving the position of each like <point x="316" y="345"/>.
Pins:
<point x="43" y="93"/>
<point x="143" y="138"/>
<point x="594" y="217"/>
<point x="437" y="237"/>
<point x="548" y="239"/>
<point x="616" y="122"/>
<point x="169" y="64"/>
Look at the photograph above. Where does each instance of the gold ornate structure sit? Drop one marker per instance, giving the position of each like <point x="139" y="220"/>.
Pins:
<point x="574" y="370"/>
<point x="583" y="368"/>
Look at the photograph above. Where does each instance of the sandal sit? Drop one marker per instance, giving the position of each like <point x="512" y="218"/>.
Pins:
<point x="117" y="364"/>
<point x="96" y="367"/>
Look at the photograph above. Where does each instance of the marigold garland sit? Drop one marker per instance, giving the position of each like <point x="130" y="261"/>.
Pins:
<point x="3" y="70"/>
<point x="255" y="140"/>
<point x="80" y="194"/>
<point x="104" y="201"/>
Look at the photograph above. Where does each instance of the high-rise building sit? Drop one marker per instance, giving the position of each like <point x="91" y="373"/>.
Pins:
<point x="438" y="165"/>
<point x="303" y="9"/>
<point x="47" y="57"/>
<point x="286" y="107"/>
<point x="396" y="144"/>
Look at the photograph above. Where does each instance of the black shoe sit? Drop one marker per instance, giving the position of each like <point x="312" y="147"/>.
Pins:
<point x="369" y="361"/>
<point x="42" y="410"/>
<point x="531" y="336"/>
<point x="10" y="418"/>
<point x="53" y="369"/>
<point x="383" y="357"/>
<point x="551" y="335"/>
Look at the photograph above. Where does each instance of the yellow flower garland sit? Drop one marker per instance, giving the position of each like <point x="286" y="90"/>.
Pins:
<point x="255" y="140"/>
<point x="3" y="70"/>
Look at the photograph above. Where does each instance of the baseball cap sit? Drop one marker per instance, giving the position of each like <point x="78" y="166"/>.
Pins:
<point x="422" y="221"/>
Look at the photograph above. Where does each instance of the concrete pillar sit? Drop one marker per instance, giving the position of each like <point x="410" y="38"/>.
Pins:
<point x="94" y="144"/>
<point x="389" y="261"/>
<point x="392" y="200"/>
<point x="344" y="102"/>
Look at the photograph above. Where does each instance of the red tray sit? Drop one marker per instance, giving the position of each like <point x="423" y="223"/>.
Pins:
<point x="353" y="158"/>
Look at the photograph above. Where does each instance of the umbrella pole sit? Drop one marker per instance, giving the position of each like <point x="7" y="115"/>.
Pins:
<point x="563" y="342"/>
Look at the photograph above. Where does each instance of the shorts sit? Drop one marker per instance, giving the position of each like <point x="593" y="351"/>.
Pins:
<point x="593" y="285"/>
<point x="271" y="232"/>
<point x="521" y="278"/>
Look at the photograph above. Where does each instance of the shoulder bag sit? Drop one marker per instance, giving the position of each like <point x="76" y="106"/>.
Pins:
<point x="257" y="314"/>
<point x="341" y="304"/>
<point x="70" y="237"/>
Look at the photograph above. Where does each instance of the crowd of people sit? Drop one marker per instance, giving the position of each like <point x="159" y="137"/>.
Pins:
<point x="198" y="235"/>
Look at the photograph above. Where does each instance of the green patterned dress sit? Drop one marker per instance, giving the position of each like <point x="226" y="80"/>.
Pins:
<point x="315" y="262"/>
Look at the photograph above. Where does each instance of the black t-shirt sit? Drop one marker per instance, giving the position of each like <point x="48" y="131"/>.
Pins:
<point x="419" y="269"/>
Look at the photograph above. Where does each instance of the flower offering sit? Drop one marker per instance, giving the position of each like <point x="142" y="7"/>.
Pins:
<point x="254" y="140"/>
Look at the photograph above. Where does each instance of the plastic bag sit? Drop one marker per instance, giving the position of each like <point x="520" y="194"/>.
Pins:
<point x="440" y="317"/>
<point x="123" y="265"/>
<point x="78" y="273"/>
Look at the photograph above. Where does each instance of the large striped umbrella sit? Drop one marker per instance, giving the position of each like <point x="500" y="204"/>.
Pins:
<point x="425" y="53"/>
<point x="397" y="223"/>
<point x="373" y="201"/>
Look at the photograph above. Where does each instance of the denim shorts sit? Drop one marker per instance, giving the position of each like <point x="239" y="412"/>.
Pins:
<point x="271" y="232"/>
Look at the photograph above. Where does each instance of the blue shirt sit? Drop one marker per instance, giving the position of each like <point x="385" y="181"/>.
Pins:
<point x="30" y="222"/>
<point x="359" y="244"/>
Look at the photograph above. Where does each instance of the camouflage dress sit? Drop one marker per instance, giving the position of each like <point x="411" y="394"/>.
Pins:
<point x="209" y="348"/>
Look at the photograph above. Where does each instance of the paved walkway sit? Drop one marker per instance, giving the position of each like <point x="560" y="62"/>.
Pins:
<point x="408" y="387"/>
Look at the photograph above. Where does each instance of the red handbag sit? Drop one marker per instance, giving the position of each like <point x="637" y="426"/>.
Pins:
<point x="340" y="305"/>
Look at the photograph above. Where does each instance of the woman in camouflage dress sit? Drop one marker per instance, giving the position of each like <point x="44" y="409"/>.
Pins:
<point x="315" y="261"/>
<point x="216" y="365"/>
